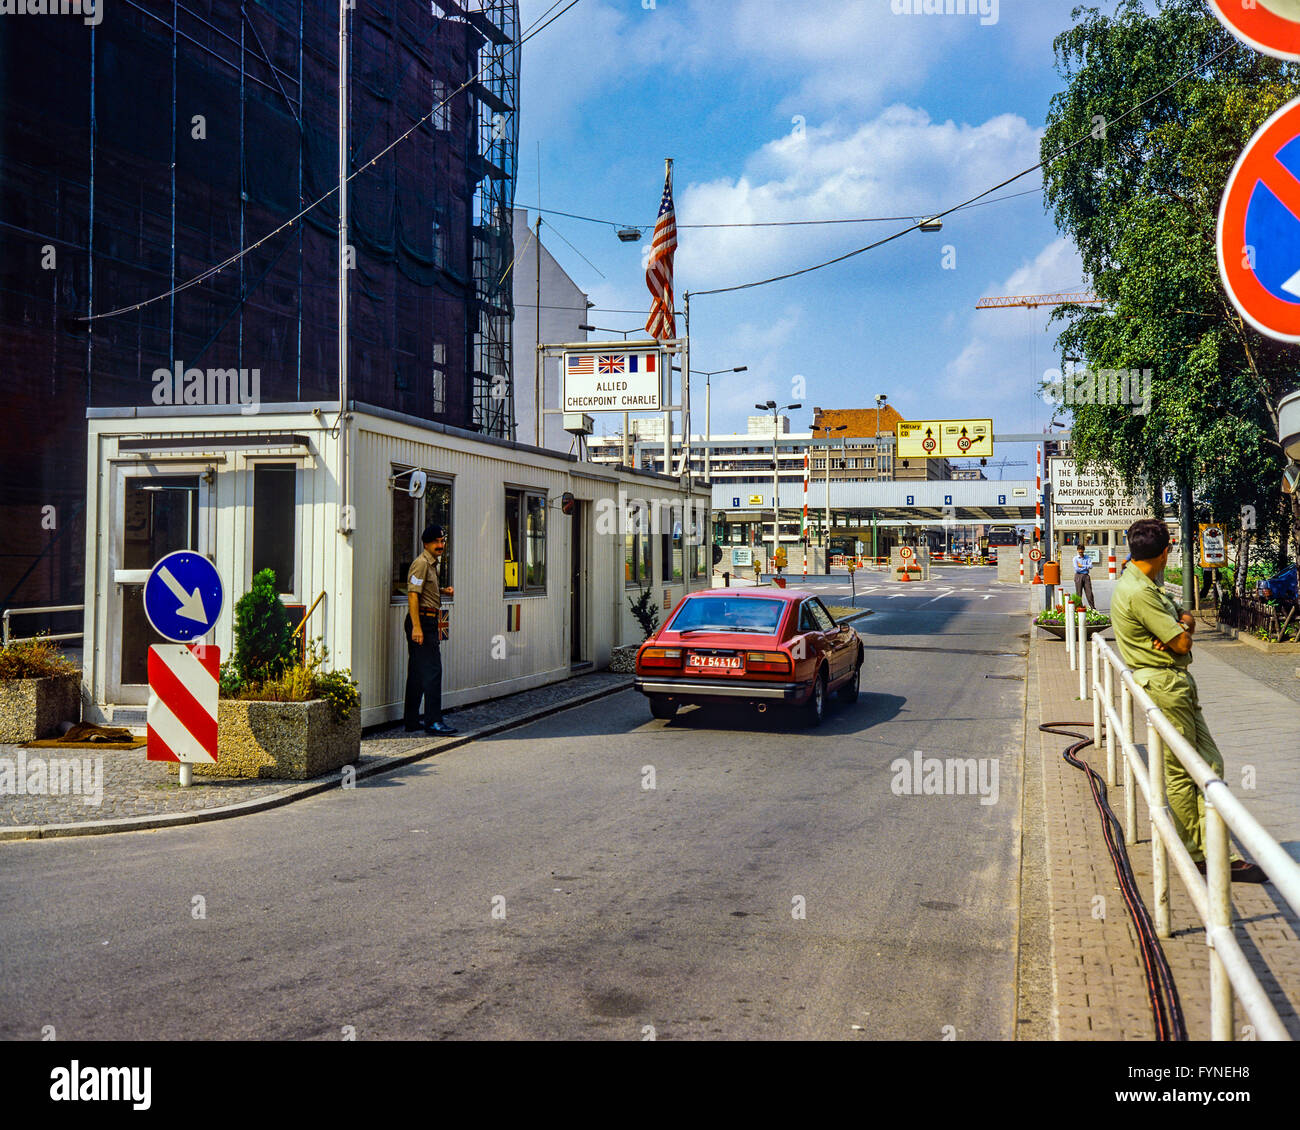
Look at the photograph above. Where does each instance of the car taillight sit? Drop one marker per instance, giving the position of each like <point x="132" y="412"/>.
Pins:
<point x="662" y="657"/>
<point x="767" y="661"/>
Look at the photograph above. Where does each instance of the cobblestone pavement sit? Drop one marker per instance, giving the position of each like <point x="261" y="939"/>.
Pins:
<point x="134" y="788"/>
<point x="1098" y="985"/>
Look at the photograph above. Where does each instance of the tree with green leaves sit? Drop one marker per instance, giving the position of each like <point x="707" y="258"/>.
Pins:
<point x="1164" y="103"/>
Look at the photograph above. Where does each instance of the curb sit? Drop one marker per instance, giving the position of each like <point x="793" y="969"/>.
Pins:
<point x="296" y="792"/>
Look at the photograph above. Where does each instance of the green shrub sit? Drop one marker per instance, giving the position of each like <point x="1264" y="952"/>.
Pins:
<point x="264" y="644"/>
<point x="646" y="612"/>
<point x="34" y="659"/>
<point x="301" y="682"/>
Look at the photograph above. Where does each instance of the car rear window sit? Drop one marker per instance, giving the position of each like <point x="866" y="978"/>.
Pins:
<point x="746" y="614"/>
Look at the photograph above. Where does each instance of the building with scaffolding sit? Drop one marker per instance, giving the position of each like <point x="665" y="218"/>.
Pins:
<point x="141" y="151"/>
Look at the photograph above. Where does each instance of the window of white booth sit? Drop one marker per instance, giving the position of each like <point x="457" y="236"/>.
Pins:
<point x="410" y="517"/>
<point x="274" y="526"/>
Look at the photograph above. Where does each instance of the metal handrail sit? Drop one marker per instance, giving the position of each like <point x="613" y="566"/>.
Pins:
<point x="1229" y="969"/>
<point x="35" y="611"/>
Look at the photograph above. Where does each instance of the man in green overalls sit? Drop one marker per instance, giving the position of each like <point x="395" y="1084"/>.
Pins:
<point x="1154" y="635"/>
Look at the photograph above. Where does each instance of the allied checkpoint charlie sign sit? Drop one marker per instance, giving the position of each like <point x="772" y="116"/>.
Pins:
<point x="612" y="381"/>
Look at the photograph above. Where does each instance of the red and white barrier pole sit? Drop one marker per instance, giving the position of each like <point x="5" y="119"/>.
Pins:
<point x="1110" y="565"/>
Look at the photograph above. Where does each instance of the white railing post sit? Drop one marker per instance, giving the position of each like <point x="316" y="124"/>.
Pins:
<point x="1159" y="856"/>
<point x="1097" y="715"/>
<point x="1069" y="633"/>
<point x="1108" y="680"/>
<point x="1130" y="793"/>
<point x="1082" y="646"/>
<point x="1219" y="879"/>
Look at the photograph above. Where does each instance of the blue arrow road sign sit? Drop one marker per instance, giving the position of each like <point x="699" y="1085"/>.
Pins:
<point x="183" y="596"/>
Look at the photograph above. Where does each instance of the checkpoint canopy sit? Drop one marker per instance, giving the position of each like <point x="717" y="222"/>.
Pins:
<point x="1259" y="228"/>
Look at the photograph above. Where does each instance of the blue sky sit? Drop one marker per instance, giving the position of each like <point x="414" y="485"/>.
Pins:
<point x="781" y="109"/>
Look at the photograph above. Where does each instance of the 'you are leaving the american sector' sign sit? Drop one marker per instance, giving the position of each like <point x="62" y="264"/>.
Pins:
<point x="1090" y="499"/>
<point x="612" y="382"/>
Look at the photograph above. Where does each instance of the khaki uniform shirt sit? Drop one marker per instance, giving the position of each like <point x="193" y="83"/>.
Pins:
<point x="1140" y="610"/>
<point x="423" y="581"/>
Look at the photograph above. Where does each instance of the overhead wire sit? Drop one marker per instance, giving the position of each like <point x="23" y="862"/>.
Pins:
<point x="979" y="196"/>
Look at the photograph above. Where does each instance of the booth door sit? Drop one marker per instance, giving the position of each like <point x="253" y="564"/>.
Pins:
<point x="153" y="515"/>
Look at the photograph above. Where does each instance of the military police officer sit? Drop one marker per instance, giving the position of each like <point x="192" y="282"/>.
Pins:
<point x="424" y="669"/>
<point x="1155" y="640"/>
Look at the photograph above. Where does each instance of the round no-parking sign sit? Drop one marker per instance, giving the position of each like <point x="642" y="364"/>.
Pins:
<point x="1271" y="26"/>
<point x="1259" y="228"/>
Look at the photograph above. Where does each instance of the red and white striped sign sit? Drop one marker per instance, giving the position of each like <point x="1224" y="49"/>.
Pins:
<point x="183" y="703"/>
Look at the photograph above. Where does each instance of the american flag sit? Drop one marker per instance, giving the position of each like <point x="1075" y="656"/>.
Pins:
<point x="659" y="274"/>
<point x="580" y="365"/>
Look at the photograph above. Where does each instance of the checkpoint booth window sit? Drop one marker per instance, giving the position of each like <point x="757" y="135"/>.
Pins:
<point x="525" y="541"/>
<point x="409" y="518"/>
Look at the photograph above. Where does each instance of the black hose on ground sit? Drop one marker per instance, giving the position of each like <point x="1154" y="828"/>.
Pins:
<point x="1162" y="993"/>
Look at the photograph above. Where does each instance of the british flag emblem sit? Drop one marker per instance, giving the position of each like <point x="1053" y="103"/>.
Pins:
<point x="609" y="363"/>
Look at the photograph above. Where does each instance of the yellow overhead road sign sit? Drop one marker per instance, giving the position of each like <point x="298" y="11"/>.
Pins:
<point x="922" y="439"/>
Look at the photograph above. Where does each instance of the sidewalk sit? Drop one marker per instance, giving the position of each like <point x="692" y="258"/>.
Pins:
<point x="140" y="794"/>
<point x="1097" y="982"/>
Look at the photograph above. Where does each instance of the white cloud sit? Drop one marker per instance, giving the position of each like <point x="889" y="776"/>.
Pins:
<point x="1007" y="351"/>
<point x="900" y="163"/>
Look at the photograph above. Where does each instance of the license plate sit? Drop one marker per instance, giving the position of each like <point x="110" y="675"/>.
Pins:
<point x="715" y="662"/>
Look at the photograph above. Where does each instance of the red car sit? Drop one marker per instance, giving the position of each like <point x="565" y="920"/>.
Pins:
<point x="757" y="645"/>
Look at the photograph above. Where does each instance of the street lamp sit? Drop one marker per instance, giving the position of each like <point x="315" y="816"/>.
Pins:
<point x="776" y="472"/>
<point x="827" y="428"/>
<point x="708" y="409"/>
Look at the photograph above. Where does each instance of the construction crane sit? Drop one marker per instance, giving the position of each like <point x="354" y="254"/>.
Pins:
<point x="1084" y="299"/>
<point x="1003" y="464"/>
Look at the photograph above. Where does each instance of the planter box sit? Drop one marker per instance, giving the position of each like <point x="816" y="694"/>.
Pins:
<point x="291" y="741"/>
<point x="33" y="708"/>
<point x="1058" y="630"/>
<point x="622" y="660"/>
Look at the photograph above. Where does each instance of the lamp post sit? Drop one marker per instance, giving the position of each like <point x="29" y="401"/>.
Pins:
<point x="708" y="413"/>
<point x="827" y="428"/>
<point x="776" y="472"/>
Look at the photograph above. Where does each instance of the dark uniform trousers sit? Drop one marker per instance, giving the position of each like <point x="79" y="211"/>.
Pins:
<point x="423" y="672"/>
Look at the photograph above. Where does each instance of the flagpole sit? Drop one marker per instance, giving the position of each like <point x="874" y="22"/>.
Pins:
<point x="668" y="416"/>
<point x="686" y="391"/>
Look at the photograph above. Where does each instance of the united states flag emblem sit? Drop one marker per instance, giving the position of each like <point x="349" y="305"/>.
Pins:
<point x="659" y="273"/>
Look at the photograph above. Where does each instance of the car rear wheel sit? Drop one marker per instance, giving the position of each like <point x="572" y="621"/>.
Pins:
<point x="664" y="708"/>
<point x="849" y="691"/>
<point x="814" y="710"/>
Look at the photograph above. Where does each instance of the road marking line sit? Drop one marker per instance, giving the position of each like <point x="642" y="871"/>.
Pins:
<point x="941" y="596"/>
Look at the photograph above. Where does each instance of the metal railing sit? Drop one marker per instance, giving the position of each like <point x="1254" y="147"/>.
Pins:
<point x="1230" y="972"/>
<point x="8" y="612"/>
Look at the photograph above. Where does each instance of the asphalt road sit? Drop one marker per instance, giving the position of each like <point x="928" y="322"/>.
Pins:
<point x="773" y="883"/>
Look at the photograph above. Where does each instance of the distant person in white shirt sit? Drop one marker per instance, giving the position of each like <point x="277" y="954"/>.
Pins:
<point x="1083" y="576"/>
